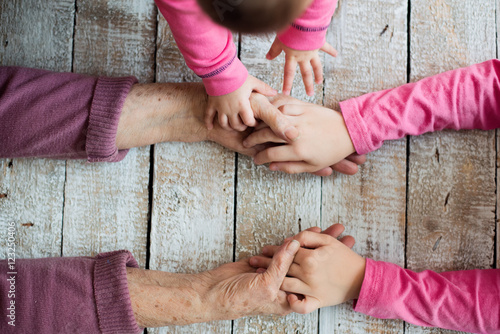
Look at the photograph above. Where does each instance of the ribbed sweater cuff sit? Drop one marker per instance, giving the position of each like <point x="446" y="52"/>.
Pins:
<point x="114" y="309"/>
<point x="356" y="127"/>
<point x="109" y="96"/>
<point x="302" y="38"/>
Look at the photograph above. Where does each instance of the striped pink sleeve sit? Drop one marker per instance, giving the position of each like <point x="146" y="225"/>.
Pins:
<point x="308" y="32"/>
<point x="459" y="300"/>
<point x="208" y="49"/>
<point x="466" y="98"/>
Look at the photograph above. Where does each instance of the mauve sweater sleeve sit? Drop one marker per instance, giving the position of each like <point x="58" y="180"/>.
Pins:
<point x="466" y="98"/>
<point x="60" y="115"/>
<point x="459" y="300"/>
<point x="308" y="32"/>
<point x="67" y="295"/>
<point x="208" y="48"/>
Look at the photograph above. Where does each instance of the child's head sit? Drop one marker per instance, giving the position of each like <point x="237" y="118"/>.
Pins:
<point x="254" y="16"/>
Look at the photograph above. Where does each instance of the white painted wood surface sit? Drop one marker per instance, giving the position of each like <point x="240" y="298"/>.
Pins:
<point x="106" y="205"/>
<point x="372" y="46"/>
<point x="209" y="207"/>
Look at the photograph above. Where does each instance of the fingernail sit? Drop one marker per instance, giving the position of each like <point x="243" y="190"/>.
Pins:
<point x="253" y="261"/>
<point x="293" y="246"/>
<point x="274" y="168"/>
<point x="245" y="144"/>
<point x="292" y="133"/>
<point x="268" y="56"/>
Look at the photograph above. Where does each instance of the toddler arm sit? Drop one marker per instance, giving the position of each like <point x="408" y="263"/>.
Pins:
<point x="308" y="32"/>
<point x="458" y="300"/>
<point x="207" y="48"/>
<point x="466" y="98"/>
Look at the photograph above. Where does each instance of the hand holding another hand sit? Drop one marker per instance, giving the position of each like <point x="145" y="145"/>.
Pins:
<point x="324" y="140"/>
<point x="325" y="271"/>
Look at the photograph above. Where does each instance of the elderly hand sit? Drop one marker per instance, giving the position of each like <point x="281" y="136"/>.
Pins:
<point x="228" y="292"/>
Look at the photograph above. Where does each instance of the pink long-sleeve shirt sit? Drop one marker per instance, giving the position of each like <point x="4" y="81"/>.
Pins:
<point x="208" y="48"/>
<point x="467" y="98"/>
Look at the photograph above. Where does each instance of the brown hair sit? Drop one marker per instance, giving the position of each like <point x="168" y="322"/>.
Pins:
<point x="253" y="16"/>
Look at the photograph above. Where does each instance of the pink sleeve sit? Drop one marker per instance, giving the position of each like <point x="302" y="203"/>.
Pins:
<point x="67" y="295"/>
<point x="308" y="32"/>
<point x="458" y="300"/>
<point x="466" y="98"/>
<point x="208" y="49"/>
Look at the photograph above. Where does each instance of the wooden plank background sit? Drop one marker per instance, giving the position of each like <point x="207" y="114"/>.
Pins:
<point x="426" y="202"/>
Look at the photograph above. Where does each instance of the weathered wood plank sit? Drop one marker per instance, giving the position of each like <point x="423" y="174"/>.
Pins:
<point x="106" y="205"/>
<point x="34" y="34"/>
<point x="451" y="199"/>
<point x="371" y="38"/>
<point x="272" y="206"/>
<point x="193" y="197"/>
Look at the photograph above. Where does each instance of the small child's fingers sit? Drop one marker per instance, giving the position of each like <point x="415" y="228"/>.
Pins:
<point x="247" y="116"/>
<point x="274" y="50"/>
<point x="223" y="122"/>
<point x="318" y="69"/>
<point x="290" y="67"/>
<point x="307" y="77"/>
<point x="304" y="306"/>
<point x="209" y="118"/>
<point x="265" y="135"/>
<point x="329" y="49"/>
<point x="236" y="124"/>
<point x="295" y="285"/>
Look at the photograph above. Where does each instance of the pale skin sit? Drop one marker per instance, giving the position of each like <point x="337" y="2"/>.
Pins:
<point x="324" y="272"/>
<point x="155" y="113"/>
<point x="324" y="139"/>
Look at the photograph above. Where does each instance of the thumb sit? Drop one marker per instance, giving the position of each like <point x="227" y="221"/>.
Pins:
<point x="275" y="50"/>
<point x="280" y="263"/>
<point x="273" y="117"/>
<point x="327" y="48"/>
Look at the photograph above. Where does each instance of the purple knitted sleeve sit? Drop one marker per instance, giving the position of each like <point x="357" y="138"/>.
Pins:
<point x="67" y="295"/>
<point x="60" y="115"/>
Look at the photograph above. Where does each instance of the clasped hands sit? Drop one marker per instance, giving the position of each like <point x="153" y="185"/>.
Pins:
<point x="322" y="143"/>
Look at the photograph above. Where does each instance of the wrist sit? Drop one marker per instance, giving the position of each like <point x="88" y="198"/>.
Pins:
<point x="160" y="299"/>
<point x="358" y="278"/>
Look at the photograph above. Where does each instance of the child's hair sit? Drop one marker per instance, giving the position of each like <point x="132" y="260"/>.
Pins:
<point x="253" y="16"/>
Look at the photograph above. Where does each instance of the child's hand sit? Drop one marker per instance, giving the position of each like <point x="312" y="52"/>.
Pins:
<point x="326" y="272"/>
<point x="323" y="142"/>
<point x="305" y="59"/>
<point x="234" y="108"/>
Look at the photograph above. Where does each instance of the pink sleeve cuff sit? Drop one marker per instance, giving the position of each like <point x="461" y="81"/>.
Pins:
<point x="298" y="37"/>
<point x="356" y="127"/>
<point x="109" y="96"/>
<point x="225" y="79"/>
<point x="112" y="297"/>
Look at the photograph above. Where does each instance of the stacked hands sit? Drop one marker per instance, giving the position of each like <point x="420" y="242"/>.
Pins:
<point x="297" y="137"/>
<point x="284" y="279"/>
